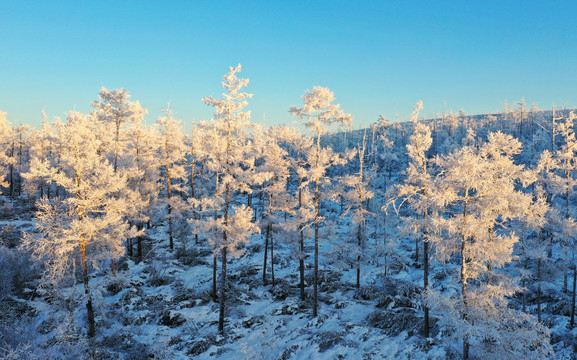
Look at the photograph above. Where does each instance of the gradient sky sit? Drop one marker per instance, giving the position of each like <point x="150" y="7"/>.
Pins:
<point x="379" y="57"/>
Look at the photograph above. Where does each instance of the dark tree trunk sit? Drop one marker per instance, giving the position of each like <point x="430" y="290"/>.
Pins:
<point x="316" y="260"/>
<point x="222" y="293"/>
<point x="426" y="281"/>
<point x="271" y="253"/>
<point x="539" y="290"/>
<point x="264" y="281"/>
<point x="129" y="247"/>
<point x="359" y="244"/>
<point x="302" y="263"/>
<point x="301" y="243"/>
<point x="573" y="296"/>
<point x="214" y="266"/>
<point x="139" y="248"/>
<point x="89" y="308"/>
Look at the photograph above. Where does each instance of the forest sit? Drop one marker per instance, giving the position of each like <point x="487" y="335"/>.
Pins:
<point x="449" y="237"/>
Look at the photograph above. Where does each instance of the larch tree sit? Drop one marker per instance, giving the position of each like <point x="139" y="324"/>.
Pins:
<point x="6" y="158"/>
<point x="317" y="113"/>
<point x="38" y="179"/>
<point x="478" y="188"/>
<point x="235" y="167"/>
<point x="116" y="115"/>
<point x="115" y="112"/>
<point x="143" y="179"/>
<point x="557" y="176"/>
<point x="86" y="221"/>
<point x="416" y="192"/>
<point x="303" y="205"/>
<point x="172" y="156"/>
<point x="356" y="196"/>
<point x="273" y="173"/>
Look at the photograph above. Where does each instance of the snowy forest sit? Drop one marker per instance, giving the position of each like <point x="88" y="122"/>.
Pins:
<point x="450" y="237"/>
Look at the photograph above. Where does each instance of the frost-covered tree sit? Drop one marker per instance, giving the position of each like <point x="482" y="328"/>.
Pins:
<point x="7" y="160"/>
<point x="478" y="187"/>
<point x="116" y="117"/>
<point x="172" y="155"/>
<point x="86" y="221"/>
<point x="273" y="172"/>
<point x="356" y="199"/>
<point x="233" y="168"/>
<point x="114" y="111"/>
<point x="20" y="153"/>
<point x="317" y="113"/>
<point x="416" y="190"/>
<point x="557" y="176"/>
<point x="38" y="178"/>
<point x="142" y="179"/>
<point x="303" y="205"/>
<point x="5" y="135"/>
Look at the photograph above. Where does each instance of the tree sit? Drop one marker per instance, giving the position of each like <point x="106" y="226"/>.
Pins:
<point x="273" y="172"/>
<point x="416" y="191"/>
<point x="355" y="200"/>
<point x="317" y="113"/>
<point x="173" y="150"/>
<point x="142" y="179"/>
<point x="6" y="155"/>
<point x="303" y="206"/>
<point x="87" y="220"/>
<point x="41" y="148"/>
<point x="478" y="187"/>
<point x="557" y="176"/>
<point x="116" y="116"/>
<point x="230" y="160"/>
<point x="114" y="111"/>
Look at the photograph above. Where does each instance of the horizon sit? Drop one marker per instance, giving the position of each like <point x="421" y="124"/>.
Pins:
<point x="378" y="59"/>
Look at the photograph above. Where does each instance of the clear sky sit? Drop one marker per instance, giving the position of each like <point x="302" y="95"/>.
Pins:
<point x="379" y="57"/>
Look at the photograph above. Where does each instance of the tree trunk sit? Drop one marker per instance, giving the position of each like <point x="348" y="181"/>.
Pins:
<point x="301" y="241"/>
<point x="222" y="293"/>
<point x="89" y="308"/>
<point x="139" y="248"/>
<point x="271" y="253"/>
<point x="359" y="244"/>
<point x="302" y="263"/>
<point x="214" y="266"/>
<point x="264" y="281"/>
<point x="12" y="172"/>
<point x="223" y="270"/>
<point x="464" y="279"/>
<point x="539" y="290"/>
<point x="169" y="195"/>
<point x="426" y="281"/>
<point x="130" y="249"/>
<point x="573" y="296"/>
<point x="316" y="261"/>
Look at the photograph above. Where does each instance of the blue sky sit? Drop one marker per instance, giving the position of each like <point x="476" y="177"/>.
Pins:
<point x="378" y="57"/>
